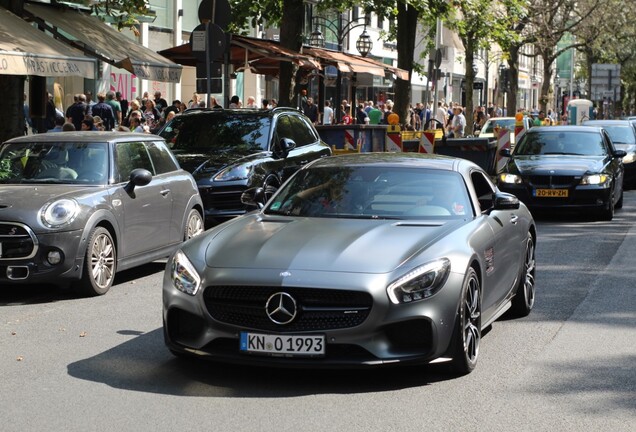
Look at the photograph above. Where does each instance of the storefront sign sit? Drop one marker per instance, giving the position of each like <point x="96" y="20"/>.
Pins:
<point x="25" y="64"/>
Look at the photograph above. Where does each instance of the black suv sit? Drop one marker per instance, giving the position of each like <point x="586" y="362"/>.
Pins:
<point x="231" y="150"/>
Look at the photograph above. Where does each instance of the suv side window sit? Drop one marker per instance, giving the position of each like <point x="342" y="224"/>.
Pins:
<point x="283" y="129"/>
<point x="129" y="156"/>
<point x="303" y="132"/>
<point x="161" y="157"/>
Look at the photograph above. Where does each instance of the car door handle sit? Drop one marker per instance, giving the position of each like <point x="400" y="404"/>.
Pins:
<point x="514" y="219"/>
<point x="165" y="192"/>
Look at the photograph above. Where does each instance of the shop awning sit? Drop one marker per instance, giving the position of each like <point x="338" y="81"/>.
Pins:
<point x="25" y="50"/>
<point x="347" y="62"/>
<point x="262" y="56"/>
<point x="103" y="42"/>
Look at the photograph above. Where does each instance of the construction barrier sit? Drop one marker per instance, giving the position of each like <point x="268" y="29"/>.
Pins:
<point x="348" y="139"/>
<point x="427" y="142"/>
<point x="393" y="139"/>
<point x="478" y="150"/>
<point x="372" y="138"/>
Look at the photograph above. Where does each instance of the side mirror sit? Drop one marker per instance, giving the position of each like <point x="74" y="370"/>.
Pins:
<point x="138" y="177"/>
<point x="254" y="197"/>
<point x="283" y="147"/>
<point x="505" y="152"/>
<point x="505" y="201"/>
<point x="619" y="153"/>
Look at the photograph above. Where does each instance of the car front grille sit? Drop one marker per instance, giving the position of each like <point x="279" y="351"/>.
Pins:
<point x="318" y="309"/>
<point x="17" y="241"/>
<point x="222" y="199"/>
<point x="553" y="181"/>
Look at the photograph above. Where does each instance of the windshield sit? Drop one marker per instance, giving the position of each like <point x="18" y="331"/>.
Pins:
<point x="212" y="130"/>
<point x="560" y="143"/>
<point x="501" y="123"/>
<point x="53" y="162"/>
<point x="373" y="193"/>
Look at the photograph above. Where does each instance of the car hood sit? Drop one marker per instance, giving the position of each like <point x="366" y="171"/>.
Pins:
<point x="202" y="164"/>
<point x="558" y="164"/>
<point x="311" y="244"/>
<point x="31" y="198"/>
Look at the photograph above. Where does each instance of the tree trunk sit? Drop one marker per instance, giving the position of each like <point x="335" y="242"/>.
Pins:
<point x="548" y="58"/>
<point x="406" y="29"/>
<point x="513" y="79"/>
<point x="469" y="43"/>
<point x="290" y="37"/>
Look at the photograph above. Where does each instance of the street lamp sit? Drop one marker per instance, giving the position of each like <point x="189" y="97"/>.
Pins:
<point x="341" y="30"/>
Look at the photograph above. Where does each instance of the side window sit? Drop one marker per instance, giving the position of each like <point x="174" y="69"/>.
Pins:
<point x="161" y="157"/>
<point x="608" y="144"/>
<point x="128" y="156"/>
<point x="303" y="131"/>
<point x="484" y="189"/>
<point x="283" y="129"/>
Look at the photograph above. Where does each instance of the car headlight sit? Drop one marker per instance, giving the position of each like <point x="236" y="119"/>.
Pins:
<point x="420" y="283"/>
<point x="509" y="178"/>
<point x="183" y="274"/>
<point x="630" y="158"/>
<point x="234" y="172"/>
<point x="594" y="179"/>
<point x="59" y="213"/>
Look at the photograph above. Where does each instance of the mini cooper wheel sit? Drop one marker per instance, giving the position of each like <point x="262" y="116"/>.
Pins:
<point x="100" y="263"/>
<point x="194" y="225"/>
<point x="523" y="301"/>
<point x="467" y="334"/>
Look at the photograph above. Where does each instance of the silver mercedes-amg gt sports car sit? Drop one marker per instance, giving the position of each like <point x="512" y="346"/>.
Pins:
<point x="358" y="260"/>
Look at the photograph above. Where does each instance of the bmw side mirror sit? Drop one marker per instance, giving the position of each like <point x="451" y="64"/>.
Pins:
<point x="253" y="197"/>
<point x="138" y="177"/>
<point x="283" y="147"/>
<point x="505" y="152"/>
<point x="619" y="153"/>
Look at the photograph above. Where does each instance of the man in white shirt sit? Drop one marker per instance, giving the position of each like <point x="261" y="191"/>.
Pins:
<point x="459" y="122"/>
<point x="440" y="116"/>
<point x="327" y="114"/>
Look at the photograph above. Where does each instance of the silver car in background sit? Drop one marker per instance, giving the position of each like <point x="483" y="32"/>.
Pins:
<point x="76" y="207"/>
<point x="364" y="259"/>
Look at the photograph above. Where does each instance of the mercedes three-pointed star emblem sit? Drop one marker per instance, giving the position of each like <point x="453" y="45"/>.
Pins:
<point x="281" y="308"/>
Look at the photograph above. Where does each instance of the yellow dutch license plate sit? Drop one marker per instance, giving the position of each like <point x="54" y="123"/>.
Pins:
<point x="551" y="193"/>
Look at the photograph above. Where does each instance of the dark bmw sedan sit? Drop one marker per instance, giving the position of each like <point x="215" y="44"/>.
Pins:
<point x="231" y="150"/>
<point x="623" y="135"/>
<point x="76" y="207"/>
<point x="565" y="167"/>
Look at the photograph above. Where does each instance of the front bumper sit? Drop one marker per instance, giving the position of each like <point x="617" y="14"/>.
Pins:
<point x="28" y="264"/>
<point x="417" y="332"/>
<point x="579" y="197"/>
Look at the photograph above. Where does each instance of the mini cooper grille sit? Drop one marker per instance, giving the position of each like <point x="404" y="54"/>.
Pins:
<point x="16" y="241"/>
<point x="318" y="309"/>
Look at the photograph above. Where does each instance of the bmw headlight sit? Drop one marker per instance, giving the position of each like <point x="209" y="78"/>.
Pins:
<point x="234" y="172"/>
<point x="594" y="179"/>
<point x="420" y="283"/>
<point x="59" y="213"/>
<point x="183" y="274"/>
<point x="509" y="178"/>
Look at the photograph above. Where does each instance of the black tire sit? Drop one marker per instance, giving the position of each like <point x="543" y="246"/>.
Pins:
<point x="467" y="333"/>
<point x="523" y="301"/>
<point x="100" y="264"/>
<point x="194" y="225"/>
<point x="619" y="203"/>
<point x="607" y="214"/>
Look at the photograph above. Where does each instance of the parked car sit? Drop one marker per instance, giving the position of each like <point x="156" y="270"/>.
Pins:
<point x="566" y="168"/>
<point x="229" y="151"/>
<point x="76" y="207"/>
<point x="488" y="130"/>
<point x="623" y="135"/>
<point x="361" y="259"/>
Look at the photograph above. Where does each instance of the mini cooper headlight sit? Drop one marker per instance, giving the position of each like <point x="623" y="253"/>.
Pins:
<point x="59" y="213"/>
<point x="594" y="179"/>
<point x="420" y="283"/>
<point x="234" y="172"/>
<point x="183" y="274"/>
<point x="509" y="178"/>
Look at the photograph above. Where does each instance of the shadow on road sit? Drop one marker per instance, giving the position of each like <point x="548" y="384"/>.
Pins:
<point x="144" y="364"/>
<point x="22" y="294"/>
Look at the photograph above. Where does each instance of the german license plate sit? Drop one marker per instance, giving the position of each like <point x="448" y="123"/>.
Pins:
<point x="551" y="193"/>
<point x="285" y="345"/>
